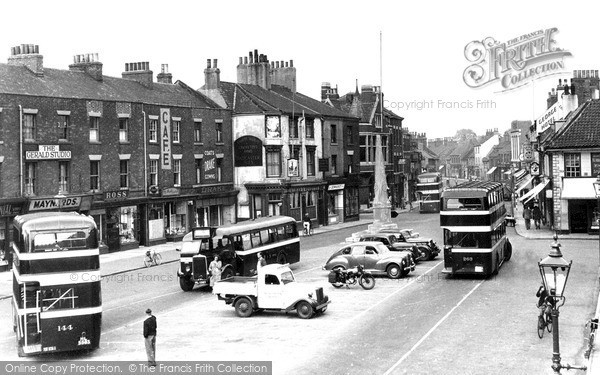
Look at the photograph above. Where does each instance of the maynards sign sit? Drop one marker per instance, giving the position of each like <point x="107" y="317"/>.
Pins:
<point x="514" y="63"/>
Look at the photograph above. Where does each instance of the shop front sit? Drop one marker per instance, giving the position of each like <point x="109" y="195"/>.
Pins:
<point x="578" y="205"/>
<point x="335" y="203"/>
<point x="215" y="206"/>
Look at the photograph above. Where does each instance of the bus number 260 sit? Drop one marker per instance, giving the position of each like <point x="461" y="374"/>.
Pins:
<point x="65" y="328"/>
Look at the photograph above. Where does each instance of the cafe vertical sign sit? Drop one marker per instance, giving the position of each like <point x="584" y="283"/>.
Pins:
<point x="165" y="138"/>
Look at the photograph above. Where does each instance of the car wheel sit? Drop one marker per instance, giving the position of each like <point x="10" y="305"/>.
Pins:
<point x="186" y="284"/>
<point x="393" y="271"/>
<point x="425" y="252"/>
<point x="304" y="310"/>
<point x="243" y="307"/>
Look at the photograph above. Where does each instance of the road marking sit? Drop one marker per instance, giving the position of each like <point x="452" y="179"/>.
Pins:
<point x="397" y="291"/>
<point x="140" y="301"/>
<point x="431" y="330"/>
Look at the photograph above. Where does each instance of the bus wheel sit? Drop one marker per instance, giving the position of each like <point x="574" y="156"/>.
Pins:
<point x="186" y="284"/>
<point x="281" y="258"/>
<point x="227" y="272"/>
<point x="243" y="307"/>
<point x="507" y="251"/>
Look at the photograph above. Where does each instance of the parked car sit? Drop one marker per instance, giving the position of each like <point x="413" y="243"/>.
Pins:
<point x="392" y="243"/>
<point x="374" y="256"/>
<point x="425" y="245"/>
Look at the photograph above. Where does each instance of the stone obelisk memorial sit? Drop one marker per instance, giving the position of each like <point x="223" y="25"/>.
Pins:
<point x="382" y="208"/>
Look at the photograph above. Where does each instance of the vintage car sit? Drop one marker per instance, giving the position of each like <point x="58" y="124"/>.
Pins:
<point x="374" y="256"/>
<point x="427" y="246"/>
<point x="389" y="239"/>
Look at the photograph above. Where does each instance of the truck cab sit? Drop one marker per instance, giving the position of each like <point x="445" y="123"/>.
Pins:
<point x="273" y="288"/>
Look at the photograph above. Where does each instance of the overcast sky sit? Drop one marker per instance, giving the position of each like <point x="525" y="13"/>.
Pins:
<point x="338" y="42"/>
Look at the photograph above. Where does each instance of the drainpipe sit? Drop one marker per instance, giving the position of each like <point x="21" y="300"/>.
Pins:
<point x="21" y="150"/>
<point x="145" y="156"/>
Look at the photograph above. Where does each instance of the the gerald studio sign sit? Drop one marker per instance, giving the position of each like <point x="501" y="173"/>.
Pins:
<point x="514" y="63"/>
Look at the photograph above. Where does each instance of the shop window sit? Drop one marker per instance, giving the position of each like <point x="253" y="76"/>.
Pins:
<point x="127" y="224"/>
<point x="156" y="223"/>
<point x="177" y="218"/>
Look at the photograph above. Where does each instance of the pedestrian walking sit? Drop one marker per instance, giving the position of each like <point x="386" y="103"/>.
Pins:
<point x="527" y="217"/>
<point x="150" y="337"/>
<point x="215" y="268"/>
<point x="537" y="216"/>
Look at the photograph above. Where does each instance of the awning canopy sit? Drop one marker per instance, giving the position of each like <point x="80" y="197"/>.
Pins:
<point x="533" y="192"/>
<point x="578" y="188"/>
<point x="520" y="173"/>
<point x="491" y="170"/>
<point x="525" y="183"/>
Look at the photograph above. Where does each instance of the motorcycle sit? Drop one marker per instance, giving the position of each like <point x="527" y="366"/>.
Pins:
<point x="339" y="277"/>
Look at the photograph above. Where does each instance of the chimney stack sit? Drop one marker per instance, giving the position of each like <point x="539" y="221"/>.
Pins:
<point x="325" y="87"/>
<point x="212" y="75"/>
<point x="255" y="70"/>
<point x="284" y="74"/>
<point x="139" y="71"/>
<point x="87" y="63"/>
<point x="164" y="76"/>
<point x="27" y="55"/>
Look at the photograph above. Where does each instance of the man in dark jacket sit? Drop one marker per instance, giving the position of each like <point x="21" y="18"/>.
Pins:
<point x="537" y="216"/>
<point x="150" y="337"/>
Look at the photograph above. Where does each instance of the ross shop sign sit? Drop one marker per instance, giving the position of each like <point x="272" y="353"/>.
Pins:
<point x="54" y="203"/>
<point x="45" y="152"/>
<point x="116" y="195"/>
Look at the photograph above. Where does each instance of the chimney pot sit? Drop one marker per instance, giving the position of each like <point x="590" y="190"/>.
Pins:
<point x="245" y="60"/>
<point x="256" y="56"/>
<point x="208" y="63"/>
<point x="277" y="65"/>
<point x="215" y="63"/>
<point x="250" y="57"/>
<point x="291" y="63"/>
<point x="241" y="61"/>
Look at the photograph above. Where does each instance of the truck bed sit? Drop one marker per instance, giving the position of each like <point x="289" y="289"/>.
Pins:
<point x="236" y="285"/>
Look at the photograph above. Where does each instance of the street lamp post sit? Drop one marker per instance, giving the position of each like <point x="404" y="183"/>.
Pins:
<point x="597" y="216"/>
<point x="554" y="270"/>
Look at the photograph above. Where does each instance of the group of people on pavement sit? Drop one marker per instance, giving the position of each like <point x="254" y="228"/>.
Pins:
<point x="534" y="213"/>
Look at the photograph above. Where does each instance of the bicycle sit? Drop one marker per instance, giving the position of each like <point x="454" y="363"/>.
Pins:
<point x="152" y="257"/>
<point x="544" y="320"/>
<point x="593" y="324"/>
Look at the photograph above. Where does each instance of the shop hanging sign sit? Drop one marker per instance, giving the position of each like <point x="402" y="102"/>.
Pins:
<point x="165" y="138"/>
<point x="46" y="152"/>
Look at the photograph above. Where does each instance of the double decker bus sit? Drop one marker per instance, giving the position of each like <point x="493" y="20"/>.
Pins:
<point x="473" y="219"/>
<point x="429" y="188"/>
<point x="237" y="245"/>
<point x="56" y="301"/>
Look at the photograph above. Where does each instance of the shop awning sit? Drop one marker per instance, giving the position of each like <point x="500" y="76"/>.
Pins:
<point x="520" y="173"/>
<point x="491" y="170"/>
<point x="578" y="188"/>
<point x="441" y="166"/>
<point x="533" y="192"/>
<point x="525" y="183"/>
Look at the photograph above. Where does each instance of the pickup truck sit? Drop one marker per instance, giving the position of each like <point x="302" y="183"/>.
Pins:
<point x="273" y="288"/>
